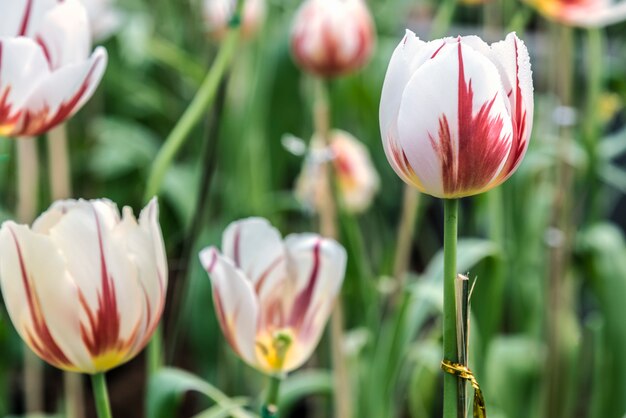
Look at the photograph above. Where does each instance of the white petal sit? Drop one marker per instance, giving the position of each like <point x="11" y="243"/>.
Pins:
<point x="235" y="303"/>
<point x="40" y="296"/>
<point x="64" y="34"/>
<point x="432" y="94"/>
<point x="317" y="266"/>
<point x="22" y="67"/>
<point x="85" y="237"/>
<point x="253" y="245"/>
<point x="62" y="94"/>
<point x="23" y="17"/>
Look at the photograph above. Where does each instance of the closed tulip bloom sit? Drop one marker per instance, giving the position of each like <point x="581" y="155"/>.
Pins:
<point x="85" y="289"/>
<point x="356" y="177"/>
<point x="218" y="14"/>
<point x="273" y="296"/>
<point x="582" y="13"/>
<point x="456" y="113"/>
<point x="46" y="71"/>
<point x="332" y="37"/>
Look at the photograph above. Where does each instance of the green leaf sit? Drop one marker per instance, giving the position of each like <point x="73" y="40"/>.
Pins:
<point x="303" y="384"/>
<point x="167" y="387"/>
<point x="470" y="252"/>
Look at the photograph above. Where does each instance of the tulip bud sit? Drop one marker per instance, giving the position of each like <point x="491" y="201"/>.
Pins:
<point x="332" y="37"/>
<point x="582" y="13"/>
<point x="46" y="72"/>
<point x="85" y="289"/>
<point x="272" y="296"/>
<point x="356" y="177"/>
<point x="456" y="113"/>
<point x="218" y="15"/>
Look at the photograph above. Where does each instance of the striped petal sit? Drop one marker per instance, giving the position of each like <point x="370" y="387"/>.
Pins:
<point x="23" y="17"/>
<point x="62" y="94"/>
<point x="235" y="303"/>
<point x="317" y="268"/>
<point x="64" y="34"/>
<point x="41" y="298"/>
<point x="454" y="124"/>
<point x="255" y="247"/>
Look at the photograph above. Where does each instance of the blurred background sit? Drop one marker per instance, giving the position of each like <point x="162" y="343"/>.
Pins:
<point x="548" y="336"/>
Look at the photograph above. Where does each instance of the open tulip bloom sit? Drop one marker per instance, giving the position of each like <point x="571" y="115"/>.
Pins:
<point x="456" y="113"/>
<point x="85" y="288"/>
<point x="46" y="70"/>
<point x="273" y="296"/>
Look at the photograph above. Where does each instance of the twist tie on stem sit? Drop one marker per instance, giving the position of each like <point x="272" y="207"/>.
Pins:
<point x="462" y="372"/>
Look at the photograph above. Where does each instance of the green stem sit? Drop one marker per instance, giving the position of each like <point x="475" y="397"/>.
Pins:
<point x="101" y="396"/>
<point x="196" y="110"/>
<point x="270" y="408"/>
<point x="450" y="392"/>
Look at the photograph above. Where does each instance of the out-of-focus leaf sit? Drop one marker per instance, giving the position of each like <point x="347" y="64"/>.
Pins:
<point x="613" y="176"/>
<point x="219" y="411"/>
<point x="469" y="252"/>
<point x="122" y="146"/>
<point x="303" y="384"/>
<point x="424" y="380"/>
<point x="613" y="146"/>
<point x="167" y="387"/>
<point x="179" y="188"/>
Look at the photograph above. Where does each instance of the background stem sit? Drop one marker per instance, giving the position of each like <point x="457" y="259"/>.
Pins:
<point x="101" y="395"/>
<point x="270" y="408"/>
<point x="59" y="163"/>
<point x="451" y="210"/>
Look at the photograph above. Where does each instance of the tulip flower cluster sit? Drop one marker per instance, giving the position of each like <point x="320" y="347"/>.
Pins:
<point x="46" y="71"/>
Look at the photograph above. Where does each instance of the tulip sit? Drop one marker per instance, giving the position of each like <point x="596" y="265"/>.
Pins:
<point x="218" y="14"/>
<point x="46" y="72"/>
<point x="356" y="177"/>
<point x="85" y="289"/>
<point x="456" y="113"/>
<point x="332" y="37"/>
<point x="582" y="13"/>
<point x="104" y="18"/>
<point x="272" y="296"/>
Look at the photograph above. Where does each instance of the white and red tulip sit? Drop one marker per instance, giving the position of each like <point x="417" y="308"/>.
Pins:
<point x="332" y="37"/>
<point x="85" y="288"/>
<point x="356" y="177"/>
<point x="218" y="14"/>
<point x="272" y="294"/>
<point x="582" y="13"/>
<point x="456" y="113"/>
<point x="46" y="71"/>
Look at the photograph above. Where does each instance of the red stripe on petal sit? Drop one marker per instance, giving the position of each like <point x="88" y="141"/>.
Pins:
<point x="8" y="118"/>
<point x="39" y="338"/>
<point x="26" y="18"/>
<point x="303" y="301"/>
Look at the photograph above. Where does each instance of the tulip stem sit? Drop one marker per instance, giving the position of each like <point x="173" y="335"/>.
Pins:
<point x="203" y="99"/>
<point x="270" y="408"/>
<point x="59" y="163"/>
<point x="101" y="395"/>
<point x="450" y="382"/>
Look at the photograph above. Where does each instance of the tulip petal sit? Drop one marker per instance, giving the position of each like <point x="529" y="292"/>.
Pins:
<point x="109" y="286"/>
<point x="511" y="58"/>
<point x="22" y="66"/>
<point x="255" y="247"/>
<point x="317" y="267"/>
<point x="454" y="105"/>
<point x="63" y="93"/>
<point x="23" y="17"/>
<point x="41" y="298"/>
<point x="64" y="34"/>
<point x="235" y="303"/>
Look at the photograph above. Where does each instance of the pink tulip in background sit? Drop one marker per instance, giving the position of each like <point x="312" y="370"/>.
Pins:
<point x="332" y="37"/>
<point x="85" y="288"/>
<point x="273" y="296"/>
<point x="583" y="13"/>
<point x="46" y="71"/>
<point x="456" y="113"/>
<point x="218" y="13"/>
